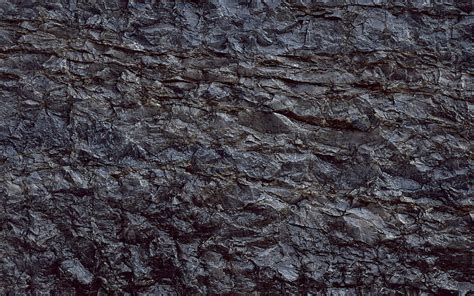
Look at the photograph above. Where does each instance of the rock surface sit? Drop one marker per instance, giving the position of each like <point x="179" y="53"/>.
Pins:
<point x="236" y="147"/>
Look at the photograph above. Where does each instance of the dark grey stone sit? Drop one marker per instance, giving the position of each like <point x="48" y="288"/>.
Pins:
<point x="236" y="147"/>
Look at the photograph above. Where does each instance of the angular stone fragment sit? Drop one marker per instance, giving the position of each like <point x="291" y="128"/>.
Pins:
<point x="74" y="269"/>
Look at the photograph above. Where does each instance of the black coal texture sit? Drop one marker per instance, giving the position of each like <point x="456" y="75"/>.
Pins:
<point x="227" y="147"/>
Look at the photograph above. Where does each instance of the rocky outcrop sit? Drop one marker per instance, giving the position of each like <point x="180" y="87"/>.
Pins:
<point x="236" y="147"/>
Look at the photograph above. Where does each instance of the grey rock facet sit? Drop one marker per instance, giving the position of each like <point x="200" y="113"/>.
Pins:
<point x="77" y="271"/>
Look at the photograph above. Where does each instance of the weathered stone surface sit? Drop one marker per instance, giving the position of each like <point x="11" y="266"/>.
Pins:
<point x="236" y="147"/>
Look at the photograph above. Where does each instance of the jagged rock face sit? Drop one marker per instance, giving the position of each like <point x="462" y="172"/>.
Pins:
<point x="257" y="148"/>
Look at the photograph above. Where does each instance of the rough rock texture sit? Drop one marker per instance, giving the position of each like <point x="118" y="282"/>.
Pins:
<point x="252" y="148"/>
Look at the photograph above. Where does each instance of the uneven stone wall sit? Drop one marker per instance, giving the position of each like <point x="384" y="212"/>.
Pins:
<point x="236" y="147"/>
